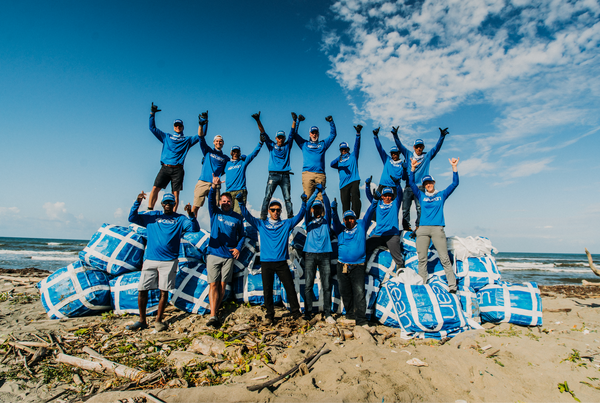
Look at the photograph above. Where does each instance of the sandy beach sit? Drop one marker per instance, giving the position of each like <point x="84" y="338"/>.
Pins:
<point x="500" y="363"/>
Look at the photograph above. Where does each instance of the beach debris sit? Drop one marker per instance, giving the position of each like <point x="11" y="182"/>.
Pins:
<point x="591" y="263"/>
<point x="564" y="387"/>
<point x="486" y="347"/>
<point x="101" y="367"/>
<point x="404" y="351"/>
<point x="417" y="363"/>
<point x="207" y="345"/>
<point x="151" y="398"/>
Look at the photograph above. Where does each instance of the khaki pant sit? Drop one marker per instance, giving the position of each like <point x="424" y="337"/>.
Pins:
<point x="201" y="191"/>
<point x="309" y="182"/>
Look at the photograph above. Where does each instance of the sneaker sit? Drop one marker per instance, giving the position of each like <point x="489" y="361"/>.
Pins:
<point x="268" y="321"/>
<point x="452" y="290"/>
<point x="296" y="315"/>
<point x="213" y="321"/>
<point x="330" y="320"/>
<point x="160" y="326"/>
<point x="137" y="326"/>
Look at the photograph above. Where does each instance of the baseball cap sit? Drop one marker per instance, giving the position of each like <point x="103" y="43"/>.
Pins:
<point x="394" y="149"/>
<point x="235" y="148"/>
<point x="427" y="178"/>
<point x="317" y="203"/>
<point x="386" y="191"/>
<point x="168" y="197"/>
<point x="349" y="213"/>
<point x="314" y="129"/>
<point x="218" y="136"/>
<point x="178" y="122"/>
<point x="419" y="142"/>
<point x="274" y="203"/>
<point x="343" y="145"/>
<point x="280" y="133"/>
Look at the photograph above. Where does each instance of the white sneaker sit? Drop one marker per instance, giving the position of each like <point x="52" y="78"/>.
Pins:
<point x="330" y="320"/>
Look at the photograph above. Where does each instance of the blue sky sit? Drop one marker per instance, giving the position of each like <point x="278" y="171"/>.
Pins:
<point x="517" y="83"/>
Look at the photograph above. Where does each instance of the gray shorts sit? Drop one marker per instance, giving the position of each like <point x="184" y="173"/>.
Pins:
<point x="219" y="269"/>
<point x="158" y="274"/>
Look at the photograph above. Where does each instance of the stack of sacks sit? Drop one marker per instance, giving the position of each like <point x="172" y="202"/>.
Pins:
<point x="191" y="289"/>
<point x="138" y="229"/>
<point x="474" y="265"/>
<point x="298" y="237"/>
<point x="411" y="259"/>
<point x="423" y="311"/>
<point x="75" y="291"/>
<point x="247" y="256"/>
<point x="520" y="304"/>
<point x="194" y="247"/>
<point x="124" y="295"/>
<point x="248" y="286"/>
<point x="115" y="250"/>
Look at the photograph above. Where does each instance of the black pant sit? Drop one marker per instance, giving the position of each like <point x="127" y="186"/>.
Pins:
<point x="392" y="242"/>
<point x="352" y="288"/>
<point x="268" y="271"/>
<point x="351" y="193"/>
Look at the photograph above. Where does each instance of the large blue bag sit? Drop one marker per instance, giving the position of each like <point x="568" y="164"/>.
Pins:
<point x="247" y="256"/>
<point x="115" y="250"/>
<point x="469" y="303"/>
<point x="124" y="295"/>
<point x="381" y="265"/>
<point x="476" y="272"/>
<point x="419" y="308"/>
<point x="75" y="291"/>
<point x="520" y="304"/>
<point x="248" y="287"/>
<point x="434" y="265"/>
<point x="196" y="245"/>
<point x="191" y="289"/>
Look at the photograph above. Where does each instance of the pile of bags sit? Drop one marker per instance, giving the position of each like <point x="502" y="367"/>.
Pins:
<point x="107" y="274"/>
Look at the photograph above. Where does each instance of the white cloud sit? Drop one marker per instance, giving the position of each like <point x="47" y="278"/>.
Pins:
<point x="56" y="211"/>
<point x="118" y="213"/>
<point x="529" y="168"/>
<point x="8" y="211"/>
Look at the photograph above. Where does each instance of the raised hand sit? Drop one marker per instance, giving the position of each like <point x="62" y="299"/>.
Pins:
<point x="188" y="209"/>
<point x="304" y="198"/>
<point x="376" y="195"/>
<point x="263" y="138"/>
<point x="256" y="116"/>
<point x="240" y="198"/>
<point x="368" y="180"/>
<point x="443" y="132"/>
<point x="294" y="116"/>
<point x="141" y="197"/>
<point x="334" y="204"/>
<point x="454" y="163"/>
<point x="329" y="118"/>
<point x="376" y="132"/>
<point x="395" y="130"/>
<point x="358" y="128"/>
<point x="203" y="118"/>
<point x="413" y="164"/>
<point x="216" y="180"/>
<point x="154" y="109"/>
<point x="301" y="118"/>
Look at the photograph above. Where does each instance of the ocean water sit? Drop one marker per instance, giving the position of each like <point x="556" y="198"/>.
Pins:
<point x="543" y="268"/>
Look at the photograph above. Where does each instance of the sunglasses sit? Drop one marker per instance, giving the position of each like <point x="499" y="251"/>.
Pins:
<point x="275" y="210"/>
<point x="172" y="203"/>
<point x="178" y="125"/>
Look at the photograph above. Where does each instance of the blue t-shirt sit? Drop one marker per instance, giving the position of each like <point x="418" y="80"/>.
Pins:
<point x="213" y="163"/>
<point x="175" y="146"/>
<point x="347" y="165"/>
<point x="423" y="168"/>
<point x="226" y="229"/>
<point x="397" y="169"/>
<point x="313" y="153"/>
<point x="432" y="207"/>
<point x="352" y="244"/>
<point x="163" y="231"/>
<point x="273" y="234"/>
<point x="235" y="171"/>
<point x="386" y="214"/>
<point x="317" y="229"/>
<point x="279" y="157"/>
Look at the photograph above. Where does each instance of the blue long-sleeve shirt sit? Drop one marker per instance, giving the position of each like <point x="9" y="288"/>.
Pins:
<point x="313" y="153"/>
<point x="175" y="146"/>
<point x="213" y="163"/>
<point x="279" y="157"/>
<point x="432" y="207"/>
<point x="397" y="169"/>
<point x="163" y="231"/>
<point x="226" y="229"/>
<point x="347" y="165"/>
<point x="317" y="229"/>
<point x="387" y="214"/>
<point x="273" y="234"/>
<point x="235" y="171"/>
<point x="352" y="243"/>
<point x="425" y="158"/>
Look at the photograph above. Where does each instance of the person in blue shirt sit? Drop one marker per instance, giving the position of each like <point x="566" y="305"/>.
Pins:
<point x="235" y="173"/>
<point x="279" y="164"/>
<point x="225" y="245"/>
<point x="352" y="243"/>
<point x="313" y="154"/>
<point x="213" y="162"/>
<point x="274" y="233"/>
<point x="164" y="232"/>
<point x="393" y="166"/>
<point x="317" y="250"/>
<point x="174" y="150"/>
<point x="347" y="166"/>
<point x="387" y="231"/>
<point x="424" y="159"/>
<point x="432" y="220"/>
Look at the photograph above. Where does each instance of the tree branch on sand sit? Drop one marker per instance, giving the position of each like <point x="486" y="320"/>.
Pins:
<point x="591" y="262"/>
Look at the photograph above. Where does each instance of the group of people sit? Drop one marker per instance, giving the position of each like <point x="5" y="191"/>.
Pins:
<point x="227" y="212"/>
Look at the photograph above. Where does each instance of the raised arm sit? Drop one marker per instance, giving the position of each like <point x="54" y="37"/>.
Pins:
<point x="203" y="124"/>
<point x="438" y="146"/>
<point x="212" y="196"/>
<point x="298" y="217"/>
<point x="191" y="224"/>
<point x="380" y="150"/>
<point x="203" y="146"/>
<point x="254" y="153"/>
<point x="134" y="216"/>
<point x="157" y="133"/>
<point x="336" y="225"/>
<point x="448" y="191"/>
<point x="334" y="163"/>
<point x="366" y="221"/>
<point x="247" y="215"/>
<point x="411" y="177"/>
<point x="310" y="202"/>
<point x="332" y="133"/>
<point x="299" y="140"/>
<point x="368" y="189"/>
<point x="327" y="208"/>
<point x="357" y="141"/>
<point x="405" y="151"/>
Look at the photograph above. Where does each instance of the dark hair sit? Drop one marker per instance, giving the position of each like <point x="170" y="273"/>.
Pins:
<point x="227" y="194"/>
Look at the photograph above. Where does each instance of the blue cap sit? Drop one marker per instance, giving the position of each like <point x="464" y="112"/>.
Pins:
<point x="386" y="191"/>
<point x="349" y="213"/>
<point x="280" y="133"/>
<point x="419" y="142"/>
<point x="394" y="149"/>
<point x="275" y="203"/>
<point x="427" y="178"/>
<point x="178" y="121"/>
<point x="314" y="129"/>
<point x="168" y="197"/>
<point x="317" y="203"/>
<point x="343" y="145"/>
<point x="235" y="148"/>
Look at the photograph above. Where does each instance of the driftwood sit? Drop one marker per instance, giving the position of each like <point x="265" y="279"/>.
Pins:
<point x="21" y="347"/>
<point x="309" y="359"/>
<point x="591" y="262"/>
<point x="151" y="398"/>
<point x="21" y="279"/>
<point x="39" y="354"/>
<point x="102" y="367"/>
